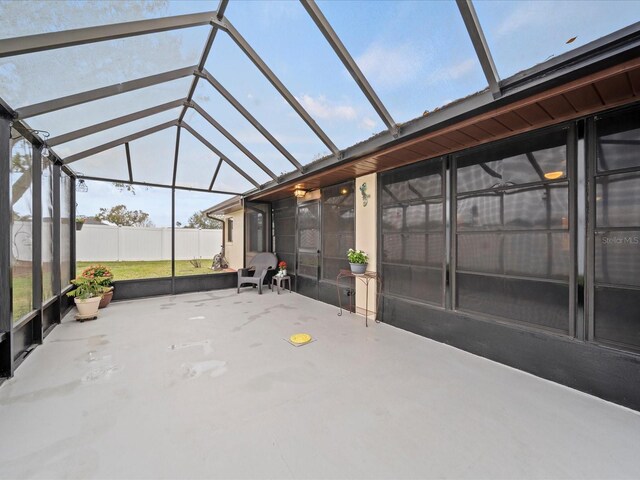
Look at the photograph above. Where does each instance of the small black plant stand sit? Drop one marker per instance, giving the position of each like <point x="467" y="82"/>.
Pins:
<point x="365" y="278"/>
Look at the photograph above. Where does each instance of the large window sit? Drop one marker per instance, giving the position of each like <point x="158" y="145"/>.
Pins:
<point x="338" y="224"/>
<point x="617" y="230"/>
<point x="21" y="226"/>
<point x="413" y="233"/>
<point x="47" y="230"/>
<point x="230" y="230"/>
<point x="512" y="223"/>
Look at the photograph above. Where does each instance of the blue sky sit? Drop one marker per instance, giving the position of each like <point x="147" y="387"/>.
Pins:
<point x="416" y="55"/>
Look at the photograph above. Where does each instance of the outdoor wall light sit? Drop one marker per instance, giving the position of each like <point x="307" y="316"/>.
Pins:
<point x="299" y="193"/>
<point x="553" y="175"/>
<point x="45" y="150"/>
<point x="81" y="186"/>
<point x="344" y="191"/>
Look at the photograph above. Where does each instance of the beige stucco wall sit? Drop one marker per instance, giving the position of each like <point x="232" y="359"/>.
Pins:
<point x="234" y="251"/>
<point x="366" y="237"/>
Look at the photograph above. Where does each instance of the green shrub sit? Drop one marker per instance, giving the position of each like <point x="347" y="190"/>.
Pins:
<point x="357" y="256"/>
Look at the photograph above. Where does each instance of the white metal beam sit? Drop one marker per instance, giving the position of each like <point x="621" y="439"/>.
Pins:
<point x="347" y="60"/>
<point x="275" y="81"/>
<point x="98" y="93"/>
<point x="79" y="36"/>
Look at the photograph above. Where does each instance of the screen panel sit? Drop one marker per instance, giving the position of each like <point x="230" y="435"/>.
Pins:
<point x="338" y="228"/>
<point x="47" y="230"/>
<point x="21" y="228"/>
<point x="412" y="232"/>
<point x="617" y="230"/>
<point x="512" y="223"/>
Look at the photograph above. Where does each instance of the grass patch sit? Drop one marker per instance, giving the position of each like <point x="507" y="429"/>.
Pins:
<point x="22" y="295"/>
<point x="149" y="269"/>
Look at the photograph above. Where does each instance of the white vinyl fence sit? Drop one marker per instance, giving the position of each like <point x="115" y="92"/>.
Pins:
<point x="112" y="244"/>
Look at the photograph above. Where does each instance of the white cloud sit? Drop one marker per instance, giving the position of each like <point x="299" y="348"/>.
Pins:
<point x="390" y="66"/>
<point x="452" y="72"/>
<point x="367" y="123"/>
<point x="527" y="14"/>
<point x="320" y="107"/>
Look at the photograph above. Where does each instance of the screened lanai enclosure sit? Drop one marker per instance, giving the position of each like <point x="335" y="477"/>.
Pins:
<point x="485" y="154"/>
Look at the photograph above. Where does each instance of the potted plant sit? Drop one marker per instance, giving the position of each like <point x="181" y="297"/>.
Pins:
<point x="105" y="278"/>
<point x="358" y="261"/>
<point x="282" y="269"/>
<point x="88" y="293"/>
<point x="80" y="223"/>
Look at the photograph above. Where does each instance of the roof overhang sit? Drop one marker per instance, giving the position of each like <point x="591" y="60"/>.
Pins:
<point x="224" y="208"/>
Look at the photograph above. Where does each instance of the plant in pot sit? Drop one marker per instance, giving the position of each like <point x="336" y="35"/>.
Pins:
<point x="358" y="261"/>
<point x="282" y="269"/>
<point x="104" y="276"/>
<point x="88" y="293"/>
<point x="80" y="223"/>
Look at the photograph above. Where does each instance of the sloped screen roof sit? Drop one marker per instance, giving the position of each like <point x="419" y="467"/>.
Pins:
<point x="174" y="93"/>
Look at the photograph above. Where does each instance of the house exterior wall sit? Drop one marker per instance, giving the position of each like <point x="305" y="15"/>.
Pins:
<point x="367" y="236"/>
<point x="234" y="250"/>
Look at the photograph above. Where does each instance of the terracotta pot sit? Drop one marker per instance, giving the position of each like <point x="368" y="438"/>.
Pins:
<point x="88" y="306"/>
<point x="106" y="298"/>
<point x="358" y="268"/>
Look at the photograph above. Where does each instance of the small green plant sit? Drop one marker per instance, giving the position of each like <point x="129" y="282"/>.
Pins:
<point x="87" y="288"/>
<point x="196" y="262"/>
<point x="357" y="256"/>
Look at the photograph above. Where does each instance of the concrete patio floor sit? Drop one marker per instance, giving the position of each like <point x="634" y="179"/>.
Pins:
<point x="204" y="385"/>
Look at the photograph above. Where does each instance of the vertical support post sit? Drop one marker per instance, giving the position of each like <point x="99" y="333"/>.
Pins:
<point x="72" y="225"/>
<point x="57" y="201"/>
<point x="173" y="241"/>
<point x="173" y="211"/>
<point x="581" y="232"/>
<point x="36" y="241"/>
<point x="446" y="207"/>
<point x="590" y="271"/>
<point x="572" y="160"/>
<point x="6" y="358"/>
<point x="453" y="260"/>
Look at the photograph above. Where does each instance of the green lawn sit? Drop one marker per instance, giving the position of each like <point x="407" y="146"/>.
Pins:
<point x="22" y="295"/>
<point x="153" y="269"/>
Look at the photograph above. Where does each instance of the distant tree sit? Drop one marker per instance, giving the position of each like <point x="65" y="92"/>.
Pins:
<point x="201" y="220"/>
<point x="123" y="217"/>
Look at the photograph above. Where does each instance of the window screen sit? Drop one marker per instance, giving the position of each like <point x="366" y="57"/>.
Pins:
<point x="230" y="230"/>
<point x="413" y="234"/>
<point x="284" y="234"/>
<point x="512" y="224"/>
<point x="65" y="229"/>
<point x="21" y="178"/>
<point x="617" y="230"/>
<point x="257" y="221"/>
<point x="338" y="223"/>
<point x="47" y="230"/>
